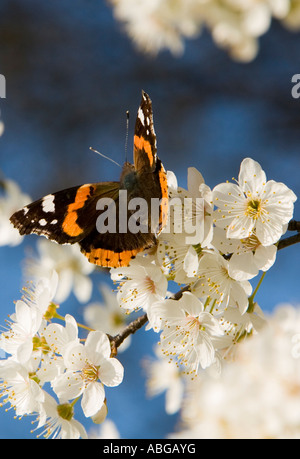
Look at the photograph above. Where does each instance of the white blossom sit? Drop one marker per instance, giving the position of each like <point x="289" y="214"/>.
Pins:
<point x="179" y="261"/>
<point x="154" y="26"/>
<point x="247" y="256"/>
<point x="235" y="25"/>
<point x="262" y="381"/>
<point x="57" y="421"/>
<point x="58" y="337"/>
<point x="140" y="284"/>
<point x="187" y="331"/>
<point x="27" y="320"/>
<point x="18" y="340"/>
<point x="216" y="283"/>
<point x="88" y="368"/>
<point x="72" y="268"/>
<point x="253" y="204"/>
<point x="19" y="389"/>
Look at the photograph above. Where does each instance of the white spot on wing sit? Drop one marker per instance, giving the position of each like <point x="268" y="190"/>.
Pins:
<point x="141" y="116"/>
<point x="43" y="222"/>
<point x="48" y="203"/>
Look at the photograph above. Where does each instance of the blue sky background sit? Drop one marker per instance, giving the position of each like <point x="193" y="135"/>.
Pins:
<point x="71" y="74"/>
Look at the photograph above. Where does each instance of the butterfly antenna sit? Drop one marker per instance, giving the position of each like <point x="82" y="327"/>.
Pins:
<point x="106" y="157"/>
<point x="126" y="138"/>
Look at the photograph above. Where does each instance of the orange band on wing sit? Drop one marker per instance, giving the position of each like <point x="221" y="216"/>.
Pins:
<point x="70" y="227"/>
<point x="142" y="144"/>
<point x="110" y="259"/>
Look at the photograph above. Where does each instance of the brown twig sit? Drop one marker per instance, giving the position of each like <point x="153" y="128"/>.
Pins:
<point x="294" y="226"/>
<point x="117" y="340"/>
<point x="288" y="241"/>
<point x="283" y="243"/>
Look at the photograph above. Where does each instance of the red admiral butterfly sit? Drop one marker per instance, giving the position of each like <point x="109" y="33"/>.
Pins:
<point x="70" y="216"/>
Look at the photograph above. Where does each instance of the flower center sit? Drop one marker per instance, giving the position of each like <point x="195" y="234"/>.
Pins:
<point x="117" y="319"/>
<point x="198" y="249"/>
<point x="65" y="411"/>
<point x="250" y="243"/>
<point x="253" y="208"/>
<point x="194" y="324"/>
<point x="89" y="373"/>
<point x="39" y="343"/>
<point x="150" y="285"/>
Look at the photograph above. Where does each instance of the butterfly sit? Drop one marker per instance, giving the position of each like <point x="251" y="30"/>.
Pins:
<point x="74" y="215"/>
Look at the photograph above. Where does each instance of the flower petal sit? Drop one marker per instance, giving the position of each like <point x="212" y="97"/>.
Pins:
<point x="242" y="266"/>
<point x="97" y="342"/>
<point x="92" y="399"/>
<point x="111" y="372"/>
<point x="251" y="177"/>
<point x="265" y="257"/>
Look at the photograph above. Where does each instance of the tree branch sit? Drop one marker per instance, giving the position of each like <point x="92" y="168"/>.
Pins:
<point x="117" y="340"/>
<point x="294" y="226"/>
<point x="283" y="243"/>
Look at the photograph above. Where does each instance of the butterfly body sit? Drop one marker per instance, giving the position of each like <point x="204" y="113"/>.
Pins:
<point x="73" y="215"/>
<point x="129" y="179"/>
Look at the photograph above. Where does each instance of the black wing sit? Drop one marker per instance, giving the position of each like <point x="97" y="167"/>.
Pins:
<point x="66" y="216"/>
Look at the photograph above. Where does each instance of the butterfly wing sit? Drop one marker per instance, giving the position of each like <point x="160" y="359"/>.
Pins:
<point x="65" y="217"/>
<point x="114" y="249"/>
<point x="149" y="167"/>
<point x="71" y="216"/>
<point x="144" y="142"/>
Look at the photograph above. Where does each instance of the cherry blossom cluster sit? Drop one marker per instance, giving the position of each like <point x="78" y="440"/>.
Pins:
<point x="236" y="229"/>
<point x="45" y="357"/>
<point x="257" y="396"/>
<point x="235" y="25"/>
